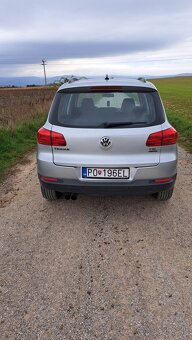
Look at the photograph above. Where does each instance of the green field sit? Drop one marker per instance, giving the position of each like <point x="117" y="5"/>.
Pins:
<point x="176" y="94"/>
<point x="22" y="112"/>
<point x="16" y="142"/>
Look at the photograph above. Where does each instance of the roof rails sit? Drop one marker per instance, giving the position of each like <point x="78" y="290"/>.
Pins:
<point x="142" y="79"/>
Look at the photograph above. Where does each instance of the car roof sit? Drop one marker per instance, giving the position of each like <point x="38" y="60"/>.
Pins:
<point x="140" y="82"/>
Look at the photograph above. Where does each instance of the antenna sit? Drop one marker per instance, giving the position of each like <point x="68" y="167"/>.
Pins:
<point x="142" y="79"/>
<point x="106" y="77"/>
<point x="43" y="64"/>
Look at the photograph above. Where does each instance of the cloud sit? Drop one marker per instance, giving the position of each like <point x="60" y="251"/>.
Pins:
<point x="33" y="52"/>
<point x="106" y="20"/>
<point x="60" y="29"/>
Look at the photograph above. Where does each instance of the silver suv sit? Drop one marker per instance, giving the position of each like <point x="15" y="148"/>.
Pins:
<point x="107" y="137"/>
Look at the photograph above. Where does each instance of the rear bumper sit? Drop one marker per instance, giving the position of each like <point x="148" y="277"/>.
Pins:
<point x="137" y="187"/>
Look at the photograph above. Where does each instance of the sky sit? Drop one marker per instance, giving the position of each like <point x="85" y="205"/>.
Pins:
<point x="87" y="37"/>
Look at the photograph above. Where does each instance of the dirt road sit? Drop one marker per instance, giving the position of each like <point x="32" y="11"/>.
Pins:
<point x="95" y="268"/>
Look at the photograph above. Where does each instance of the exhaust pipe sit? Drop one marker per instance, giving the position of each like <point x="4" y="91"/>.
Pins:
<point x="69" y="195"/>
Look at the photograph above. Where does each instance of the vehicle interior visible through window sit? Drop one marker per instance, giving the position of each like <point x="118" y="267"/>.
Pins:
<point x="84" y="109"/>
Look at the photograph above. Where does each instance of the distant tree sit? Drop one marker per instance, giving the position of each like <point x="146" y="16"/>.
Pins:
<point x="69" y="79"/>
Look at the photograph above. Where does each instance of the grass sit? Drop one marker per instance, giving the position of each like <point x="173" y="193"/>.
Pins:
<point x="14" y="143"/>
<point x="176" y="94"/>
<point x="22" y="112"/>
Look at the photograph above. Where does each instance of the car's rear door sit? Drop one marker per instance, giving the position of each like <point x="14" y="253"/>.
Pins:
<point x="84" y="147"/>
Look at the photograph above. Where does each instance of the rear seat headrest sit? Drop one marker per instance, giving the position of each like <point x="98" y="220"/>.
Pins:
<point x="128" y="104"/>
<point x="87" y="103"/>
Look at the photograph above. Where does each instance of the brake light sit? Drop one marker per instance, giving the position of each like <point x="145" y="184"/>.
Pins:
<point x="169" y="136"/>
<point x="44" y="136"/>
<point x="165" y="137"/>
<point x="106" y="88"/>
<point x="57" y="139"/>
<point x="155" y="139"/>
<point x="47" y="137"/>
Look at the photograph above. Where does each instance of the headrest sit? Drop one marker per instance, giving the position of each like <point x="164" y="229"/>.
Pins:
<point x="87" y="103"/>
<point x="128" y="104"/>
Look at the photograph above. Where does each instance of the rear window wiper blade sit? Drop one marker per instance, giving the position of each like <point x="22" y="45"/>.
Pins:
<point x="115" y="124"/>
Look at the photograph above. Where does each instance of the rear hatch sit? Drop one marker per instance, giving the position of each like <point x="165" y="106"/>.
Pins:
<point x="128" y="147"/>
<point x="125" y="116"/>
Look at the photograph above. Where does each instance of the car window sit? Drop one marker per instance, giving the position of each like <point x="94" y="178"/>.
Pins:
<point x="92" y="109"/>
<point x="107" y="99"/>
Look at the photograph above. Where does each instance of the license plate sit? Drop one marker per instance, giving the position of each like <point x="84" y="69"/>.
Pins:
<point x="105" y="173"/>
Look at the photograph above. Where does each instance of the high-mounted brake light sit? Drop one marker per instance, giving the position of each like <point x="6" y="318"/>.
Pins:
<point x="47" y="137"/>
<point x="161" y="138"/>
<point x="106" y="88"/>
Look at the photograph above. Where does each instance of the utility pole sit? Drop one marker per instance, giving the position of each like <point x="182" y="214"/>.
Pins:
<point x="43" y="64"/>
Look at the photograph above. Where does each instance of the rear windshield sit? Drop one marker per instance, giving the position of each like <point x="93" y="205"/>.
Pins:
<point x="102" y="109"/>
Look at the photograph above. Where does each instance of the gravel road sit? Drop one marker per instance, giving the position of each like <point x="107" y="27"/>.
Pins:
<point x="96" y="268"/>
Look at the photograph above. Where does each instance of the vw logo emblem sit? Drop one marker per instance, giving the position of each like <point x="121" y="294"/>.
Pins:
<point x="105" y="142"/>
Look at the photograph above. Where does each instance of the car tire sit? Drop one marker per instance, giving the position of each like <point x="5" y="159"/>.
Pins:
<point x="164" y="195"/>
<point x="48" y="194"/>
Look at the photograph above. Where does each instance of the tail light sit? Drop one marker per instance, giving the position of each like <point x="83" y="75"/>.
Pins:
<point x="57" y="139"/>
<point x="165" y="137"/>
<point x="47" y="137"/>
<point x="169" y="136"/>
<point x="44" y="136"/>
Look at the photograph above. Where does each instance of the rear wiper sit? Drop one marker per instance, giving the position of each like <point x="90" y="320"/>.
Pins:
<point x="115" y="124"/>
